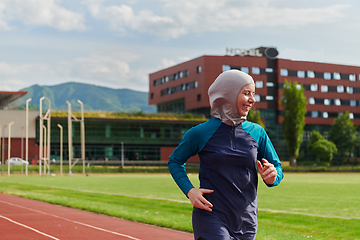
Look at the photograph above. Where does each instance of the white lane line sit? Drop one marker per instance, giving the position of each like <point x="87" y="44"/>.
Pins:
<point x="32" y="229"/>
<point x="80" y="223"/>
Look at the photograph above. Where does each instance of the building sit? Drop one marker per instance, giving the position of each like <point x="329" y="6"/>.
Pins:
<point x="329" y="88"/>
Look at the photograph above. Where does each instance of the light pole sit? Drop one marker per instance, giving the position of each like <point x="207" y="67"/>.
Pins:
<point x="2" y="160"/>
<point x="9" y="146"/>
<point x="61" y="148"/>
<point x="27" y="135"/>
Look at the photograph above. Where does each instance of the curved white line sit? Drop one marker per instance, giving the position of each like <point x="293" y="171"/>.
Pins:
<point x="32" y="229"/>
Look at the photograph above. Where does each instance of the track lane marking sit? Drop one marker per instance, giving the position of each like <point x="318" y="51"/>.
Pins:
<point x="32" y="229"/>
<point x="69" y="220"/>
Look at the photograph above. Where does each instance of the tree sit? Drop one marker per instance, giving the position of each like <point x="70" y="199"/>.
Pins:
<point x="254" y="116"/>
<point x="343" y="134"/>
<point x="294" y="103"/>
<point x="323" y="149"/>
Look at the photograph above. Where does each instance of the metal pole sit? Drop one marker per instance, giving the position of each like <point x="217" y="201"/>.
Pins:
<point x="48" y="135"/>
<point x="2" y="149"/>
<point x="9" y="146"/>
<point x="82" y="132"/>
<point x="61" y="148"/>
<point x="2" y="160"/>
<point x="69" y="135"/>
<point x="22" y="147"/>
<point x="27" y="135"/>
<point x="41" y="134"/>
<point x="45" y="150"/>
<point x="122" y="155"/>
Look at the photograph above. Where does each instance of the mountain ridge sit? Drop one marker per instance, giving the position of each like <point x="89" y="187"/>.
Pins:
<point x="94" y="98"/>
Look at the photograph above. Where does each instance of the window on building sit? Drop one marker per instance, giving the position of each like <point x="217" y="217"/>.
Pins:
<point x="314" y="87"/>
<point x="314" y="114"/>
<point x="257" y="97"/>
<point x="198" y="69"/>
<point x="353" y="103"/>
<point x="283" y="72"/>
<point x="311" y="100"/>
<point x="181" y="74"/>
<point x="310" y="74"/>
<point x="352" y="77"/>
<point x="324" y="88"/>
<point x="259" y="84"/>
<point x="195" y="84"/>
<point x="325" y="115"/>
<point x="349" y="90"/>
<point x="300" y="74"/>
<point x="351" y="115"/>
<point x="269" y="84"/>
<point x="269" y="70"/>
<point x="337" y="76"/>
<point x="307" y="135"/>
<point x="327" y="76"/>
<point x="337" y="102"/>
<point x="152" y="96"/>
<point x="166" y="78"/>
<point x="226" y="68"/>
<point x="298" y="86"/>
<point x="269" y="98"/>
<point x="245" y="69"/>
<point x="255" y="70"/>
<point x="340" y="89"/>
<point x="199" y="97"/>
<point x="327" y="102"/>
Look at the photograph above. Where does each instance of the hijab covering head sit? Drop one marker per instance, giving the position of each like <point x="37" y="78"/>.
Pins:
<point x="223" y="96"/>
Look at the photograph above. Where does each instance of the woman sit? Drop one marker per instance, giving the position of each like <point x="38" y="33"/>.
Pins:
<point x="225" y="205"/>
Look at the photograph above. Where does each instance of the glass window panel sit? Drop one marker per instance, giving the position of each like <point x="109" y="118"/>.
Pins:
<point x="269" y="70"/>
<point x="257" y="97"/>
<point x="352" y="77"/>
<point x="327" y="76"/>
<point x="353" y="103"/>
<point x="255" y="70"/>
<point x="337" y="102"/>
<point x="324" y="88"/>
<point x="340" y="89"/>
<point x="224" y="68"/>
<point x="314" y="114"/>
<point x="313" y="87"/>
<point x="259" y="84"/>
<point x="300" y="74"/>
<point x="269" y="98"/>
<point x="269" y="84"/>
<point x="245" y="70"/>
<point x="327" y="102"/>
<point x="351" y="115"/>
<point x="283" y="72"/>
<point x="349" y="90"/>
<point x="298" y="86"/>
<point x="337" y="76"/>
<point x="310" y="74"/>
<point x="325" y="115"/>
<point x="311" y="100"/>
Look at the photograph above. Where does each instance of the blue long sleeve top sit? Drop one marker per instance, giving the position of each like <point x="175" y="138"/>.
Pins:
<point x="228" y="157"/>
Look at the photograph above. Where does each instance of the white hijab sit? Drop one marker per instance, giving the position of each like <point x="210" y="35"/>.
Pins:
<point x="223" y="95"/>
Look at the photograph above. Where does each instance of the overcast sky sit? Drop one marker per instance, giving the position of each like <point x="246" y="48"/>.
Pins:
<point x="116" y="43"/>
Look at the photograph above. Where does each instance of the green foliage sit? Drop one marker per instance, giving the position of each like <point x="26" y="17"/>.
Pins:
<point x="321" y="148"/>
<point x="294" y="103"/>
<point x="343" y="134"/>
<point x="254" y="116"/>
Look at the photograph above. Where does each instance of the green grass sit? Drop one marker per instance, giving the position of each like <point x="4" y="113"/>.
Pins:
<point x="315" y="206"/>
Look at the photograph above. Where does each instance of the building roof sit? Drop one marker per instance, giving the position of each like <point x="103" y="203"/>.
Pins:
<point x="8" y="97"/>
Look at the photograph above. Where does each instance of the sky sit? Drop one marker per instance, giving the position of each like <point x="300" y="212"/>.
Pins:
<point x="118" y="43"/>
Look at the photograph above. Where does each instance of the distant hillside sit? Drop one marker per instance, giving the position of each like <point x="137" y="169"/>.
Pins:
<point x="94" y="98"/>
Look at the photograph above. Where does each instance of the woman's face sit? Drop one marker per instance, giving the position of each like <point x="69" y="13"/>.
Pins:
<point x="246" y="99"/>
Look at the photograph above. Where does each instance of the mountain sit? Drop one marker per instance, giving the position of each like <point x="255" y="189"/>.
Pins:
<point x="94" y="98"/>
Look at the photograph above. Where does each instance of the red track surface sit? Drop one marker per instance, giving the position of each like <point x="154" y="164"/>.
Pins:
<point x="22" y="218"/>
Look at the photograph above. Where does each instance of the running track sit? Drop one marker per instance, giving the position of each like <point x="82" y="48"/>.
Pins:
<point x="22" y="218"/>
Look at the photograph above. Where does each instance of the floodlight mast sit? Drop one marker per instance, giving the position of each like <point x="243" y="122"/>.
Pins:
<point x="42" y="155"/>
<point x="61" y="149"/>
<point x="82" y="132"/>
<point x="27" y="135"/>
<point x="9" y="146"/>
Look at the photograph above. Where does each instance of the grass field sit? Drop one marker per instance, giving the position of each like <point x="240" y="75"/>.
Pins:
<point x="314" y="206"/>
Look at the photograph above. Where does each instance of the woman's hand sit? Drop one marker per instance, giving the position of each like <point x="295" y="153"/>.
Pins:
<point x="197" y="199"/>
<point x="267" y="172"/>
